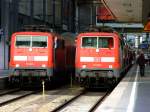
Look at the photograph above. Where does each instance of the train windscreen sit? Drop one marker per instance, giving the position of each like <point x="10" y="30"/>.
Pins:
<point x="31" y="41"/>
<point x="39" y="41"/>
<point x="23" y="41"/>
<point x="97" y="42"/>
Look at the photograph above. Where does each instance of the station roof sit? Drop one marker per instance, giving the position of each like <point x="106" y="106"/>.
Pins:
<point x="125" y="10"/>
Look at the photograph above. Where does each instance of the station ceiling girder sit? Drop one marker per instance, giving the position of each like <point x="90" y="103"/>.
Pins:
<point x="129" y="10"/>
<point x="125" y="10"/>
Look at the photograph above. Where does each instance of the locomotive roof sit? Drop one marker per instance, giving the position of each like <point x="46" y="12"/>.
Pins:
<point x="99" y="29"/>
<point x="36" y="28"/>
<point x="31" y="32"/>
<point x="39" y="33"/>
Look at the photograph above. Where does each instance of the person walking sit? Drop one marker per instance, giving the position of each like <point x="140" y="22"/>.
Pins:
<point x="141" y="62"/>
<point x="148" y="59"/>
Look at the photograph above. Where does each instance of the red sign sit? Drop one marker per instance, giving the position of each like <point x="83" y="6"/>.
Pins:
<point x="104" y="14"/>
<point x="147" y="26"/>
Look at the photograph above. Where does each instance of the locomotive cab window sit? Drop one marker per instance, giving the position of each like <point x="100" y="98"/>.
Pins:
<point x="23" y="41"/>
<point x="98" y="42"/>
<point x="105" y="42"/>
<point x="31" y="41"/>
<point x="89" y="42"/>
<point x="39" y="41"/>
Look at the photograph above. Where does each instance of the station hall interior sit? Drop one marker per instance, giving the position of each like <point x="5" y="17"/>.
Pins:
<point x="128" y="17"/>
<point x="115" y="65"/>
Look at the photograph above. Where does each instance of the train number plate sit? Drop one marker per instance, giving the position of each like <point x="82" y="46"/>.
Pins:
<point x="97" y="59"/>
<point x="30" y="58"/>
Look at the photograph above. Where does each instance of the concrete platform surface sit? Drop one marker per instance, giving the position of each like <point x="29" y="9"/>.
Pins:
<point x="4" y="73"/>
<point x="132" y="94"/>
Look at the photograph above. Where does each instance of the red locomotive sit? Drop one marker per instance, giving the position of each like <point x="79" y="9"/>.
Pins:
<point x="101" y="56"/>
<point x="40" y="55"/>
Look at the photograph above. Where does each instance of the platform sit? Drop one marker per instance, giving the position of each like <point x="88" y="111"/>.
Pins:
<point x="132" y="94"/>
<point x="4" y="73"/>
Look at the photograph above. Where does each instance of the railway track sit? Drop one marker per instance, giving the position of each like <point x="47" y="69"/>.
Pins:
<point x="4" y="92"/>
<point x="85" y="102"/>
<point x="38" y="102"/>
<point x="59" y="100"/>
<point x="15" y="95"/>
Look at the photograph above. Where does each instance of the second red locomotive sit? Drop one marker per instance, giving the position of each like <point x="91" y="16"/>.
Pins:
<point x="100" y="57"/>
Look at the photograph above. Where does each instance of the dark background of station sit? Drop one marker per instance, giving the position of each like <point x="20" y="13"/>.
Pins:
<point x="66" y="16"/>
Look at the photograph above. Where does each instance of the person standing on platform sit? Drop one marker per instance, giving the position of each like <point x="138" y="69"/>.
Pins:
<point x="141" y="62"/>
<point x="148" y="59"/>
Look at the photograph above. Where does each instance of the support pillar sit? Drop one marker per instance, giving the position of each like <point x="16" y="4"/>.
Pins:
<point x="4" y="26"/>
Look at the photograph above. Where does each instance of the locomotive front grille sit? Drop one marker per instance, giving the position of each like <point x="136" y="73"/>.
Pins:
<point x="97" y="73"/>
<point x="30" y="72"/>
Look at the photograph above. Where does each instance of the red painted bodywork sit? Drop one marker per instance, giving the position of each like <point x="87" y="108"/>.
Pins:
<point x="21" y="51"/>
<point x="58" y="59"/>
<point x="103" y="52"/>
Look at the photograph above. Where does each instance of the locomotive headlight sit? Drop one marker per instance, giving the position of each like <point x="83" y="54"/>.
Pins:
<point x="30" y="49"/>
<point x="43" y="65"/>
<point x="17" y="65"/>
<point x="97" y="50"/>
<point x="83" y="66"/>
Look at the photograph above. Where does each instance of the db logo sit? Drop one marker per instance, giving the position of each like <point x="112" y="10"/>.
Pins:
<point x="97" y="59"/>
<point x="30" y="58"/>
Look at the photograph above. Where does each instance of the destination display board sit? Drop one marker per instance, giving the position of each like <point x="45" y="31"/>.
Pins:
<point x="103" y="14"/>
